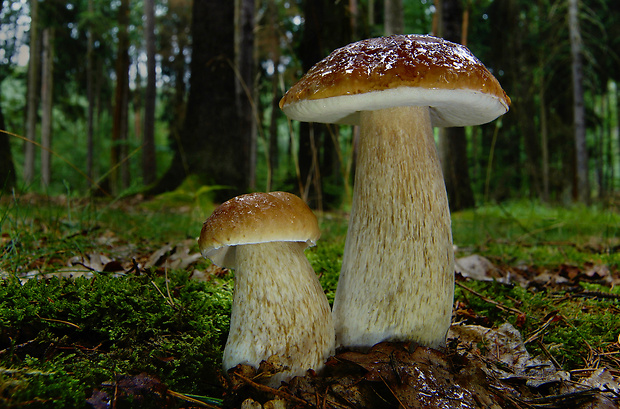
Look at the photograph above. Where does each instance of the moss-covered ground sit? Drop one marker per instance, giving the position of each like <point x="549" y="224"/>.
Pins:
<point x="66" y="340"/>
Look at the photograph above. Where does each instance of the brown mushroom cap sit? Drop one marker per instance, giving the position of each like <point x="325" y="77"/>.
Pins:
<point x="398" y="70"/>
<point x="257" y="218"/>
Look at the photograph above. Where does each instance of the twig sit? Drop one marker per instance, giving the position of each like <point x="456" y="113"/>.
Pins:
<point x="540" y="230"/>
<point x="169" y="299"/>
<point x="393" y="394"/>
<point x="490" y="301"/>
<point x="2" y="351"/>
<point x="563" y="398"/>
<point x="267" y="389"/>
<point x="548" y="354"/>
<point x="593" y="352"/>
<point x="191" y="399"/>
<point x="516" y="402"/>
<point x="59" y="321"/>
<point x="540" y="330"/>
<point x="596" y="294"/>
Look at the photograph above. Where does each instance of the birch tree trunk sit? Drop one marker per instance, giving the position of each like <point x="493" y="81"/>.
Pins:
<point x="47" y="90"/>
<point x="149" y="159"/>
<point x="33" y="101"/>
<point x="582" y="184"/>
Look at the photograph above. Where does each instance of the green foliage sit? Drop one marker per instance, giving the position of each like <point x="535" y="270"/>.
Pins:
<point x="326" y="257"/>
<point x="60" y="338"/>
<point x="80" y="333"/>
<point x="579" y="327"/>
<point x="533" y="233"/>
<point x="190" y="194"/>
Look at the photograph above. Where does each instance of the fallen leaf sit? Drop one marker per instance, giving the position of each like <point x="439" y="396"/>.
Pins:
<point x="478" y="268"/>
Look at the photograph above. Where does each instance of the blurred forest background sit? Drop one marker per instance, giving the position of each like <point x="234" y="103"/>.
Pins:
<point x="136" y="95"/>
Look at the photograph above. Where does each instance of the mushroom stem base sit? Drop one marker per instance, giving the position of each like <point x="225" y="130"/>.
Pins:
<point x="397" y="277"/>
<point x="279" y="308"/>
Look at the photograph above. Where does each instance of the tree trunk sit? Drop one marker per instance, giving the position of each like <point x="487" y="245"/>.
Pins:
<point x="47" y="91"/>
<point x="353" y="16"/>
<point x="90" y="78"/>
<point x="273" y="124"/>
<point x="326" y="28"/>
<point x="149" y="159"/>
<point x="33" y="101"/>
<point x="453" y="141"/>
<point x="244" y="81"/>
<point x="274" y="55"/>
<point x="211" y="143"/>
<point x="544" y="134"/>
<point x="311" y="51"/>
<point x="119" y="126"/>
<point x="7" y="168"/>
<point x="582" y="184"/>
<point x="394" y="17"/>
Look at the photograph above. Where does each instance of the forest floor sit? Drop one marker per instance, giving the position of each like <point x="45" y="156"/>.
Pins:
<point x="109" y="304"/>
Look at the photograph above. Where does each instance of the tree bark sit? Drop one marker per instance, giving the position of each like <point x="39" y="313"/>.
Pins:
<point x="119" y="126"/>
<point x="326" y="28"/>
<point x="149" y="159"/>
<point x="211" y="143"/>
<point x="47" y="91"/>
<point x="311" y="51"/>
<point x="244" y="81"/>
<point x="394" y="17"/>
<point x="7" y="167"/>
<point x="274" y="54"/>
<point x="273" y="123"/>
<point x="582" y="184"/>
<point x="453" y="141"/>
<point x="33" y="101"/>
<point x="544" y="134"/>
<point x="90" y="78"/>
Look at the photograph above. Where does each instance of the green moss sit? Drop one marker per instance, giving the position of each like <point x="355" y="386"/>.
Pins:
<point x="81" y="333"/>
<point x="578" y="327"/>
<point x="532" y="233"/>
<point x="60" y="338"/>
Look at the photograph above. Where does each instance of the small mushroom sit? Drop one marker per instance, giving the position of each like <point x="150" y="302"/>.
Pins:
<point x="279" y="307"/>
<point x="397" y="276"/>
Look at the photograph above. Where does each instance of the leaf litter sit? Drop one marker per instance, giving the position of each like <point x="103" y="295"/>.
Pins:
<point x="481" y="367"/>
<point x="401" y="375"/>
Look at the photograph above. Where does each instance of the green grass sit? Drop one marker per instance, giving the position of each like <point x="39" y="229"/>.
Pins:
<point x="60" y="338"/>
<point x="531" y="233"/>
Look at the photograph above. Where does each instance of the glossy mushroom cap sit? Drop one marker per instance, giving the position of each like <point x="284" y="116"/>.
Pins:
<point x="399" y="70"/>
<point x="256" y="218"/>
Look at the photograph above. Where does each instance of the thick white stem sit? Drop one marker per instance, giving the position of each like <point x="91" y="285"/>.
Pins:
<point x="397" y="277"/>
<point x="279" y="308"/>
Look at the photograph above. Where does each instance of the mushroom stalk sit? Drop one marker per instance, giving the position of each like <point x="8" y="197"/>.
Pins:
<point x="397" y="277"/>
<point x="279" y="308"/>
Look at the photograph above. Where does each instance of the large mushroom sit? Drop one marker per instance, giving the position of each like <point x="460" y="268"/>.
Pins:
<point x="279" y="307"/>
<point x="397" y="276"/>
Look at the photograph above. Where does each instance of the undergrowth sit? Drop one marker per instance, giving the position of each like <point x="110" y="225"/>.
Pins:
<point x="60" y="339"/>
